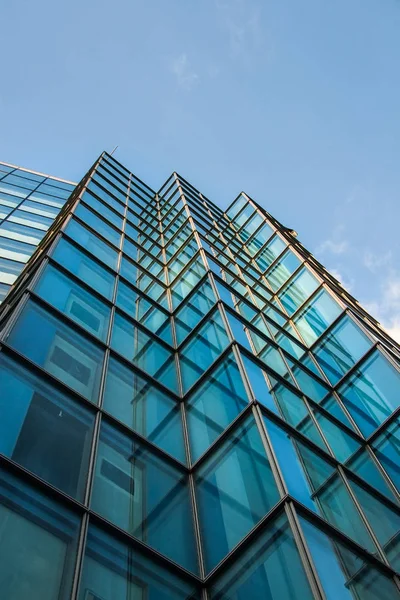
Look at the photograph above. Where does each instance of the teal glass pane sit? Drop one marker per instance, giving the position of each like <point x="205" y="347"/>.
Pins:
<point x="44" y="430"/>
<point x="83" y="267"/>
<point x="341" y="348"/>
<point x="259" y="384"/>
<point x="236" y="207"/>
<point x="93" y="244"/>
<point x="309" y="385"/>
<point x="102" y="210"/>
<point x="271" y="568"/>
<point x="343" y="574"/>
<point x="57" y="348"/>
<point x="372" y="393"/>
<point x="341" y="443"/>
<point x="282" y="270"/>
<point x="141" y="406"/>
<point x="298" y="291"/>
<point x="271" y="251"/>
<point x="241" y="218"/>
<point x="294" y="411"/>
<point x="98" y="225"/>
<point x="147" y="313"/>
<point x="145" y="352"/>
<point x="235" y="489"/>
<point x="384" y="521"/>
<point x="364" y="466"/>
<point x="113" y="570"/>
<point x="202" y="349"/>
<point x="314" y="319"/>
<point x="144" y="495"/>
<point x="289" y="457"/>
<point x="387" y="450"/>
<point x="193" y="311"/>
<point x="74" y="301"/>
<point x="38" y="543"/>
<point x="186" y="282"/>
<point x="214" y="406"/>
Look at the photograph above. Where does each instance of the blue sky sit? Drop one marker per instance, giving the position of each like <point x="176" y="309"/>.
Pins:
<point x="296" y="103"/>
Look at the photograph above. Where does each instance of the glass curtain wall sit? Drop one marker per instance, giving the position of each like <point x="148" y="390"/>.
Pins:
<point x="191" y="407"/>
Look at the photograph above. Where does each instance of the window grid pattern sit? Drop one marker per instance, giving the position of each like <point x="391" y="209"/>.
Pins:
<point x="209" y="412"/>
<point x="29" y="203"/>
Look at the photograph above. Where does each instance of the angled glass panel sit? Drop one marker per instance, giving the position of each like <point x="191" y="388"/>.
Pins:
<point x="144" y="495"/>
<point x="99" y="225"/>
<point x="139" y="308"/>
<point x="384" y="521"/>
<point x="59" y="349"/>
<point x="138" y="404"/>
<point x="344" y="575"/>
<point x="372" y="393"/>
<point x="214" y="406"/>
<point x="186" y="281"/>
<point x="202" y="349"/>
<point x="93" y="244"/>
<point x="86" y="269"/>
<point x="193" y="311"/>
<point x="74" y="301"/>
<point x="271" y="568"/>
<point x="387" y="450"/>
<point x="235" y="489"/>
<point x="340" y="349"/>
<point x="340" y="441"/>
<point x="38" y="543"/>
<point x="282" y="270"/>
<point x="113" y="570"/>
<point x="103" y="210"/>
<point x="145" y="352"/>
<point x="365" y="467"/>
<point x="314" y="319"/>
<point x="43" y="429"/>
<point x="299" y="290"/>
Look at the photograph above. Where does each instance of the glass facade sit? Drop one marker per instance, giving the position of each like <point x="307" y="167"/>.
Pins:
<point x="191" y="406"/>
<point x="29" y="203"/>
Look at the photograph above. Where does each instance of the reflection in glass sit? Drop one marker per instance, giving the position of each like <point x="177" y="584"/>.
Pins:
<point x="143" y="495"/>
<point x="235" y="489"/>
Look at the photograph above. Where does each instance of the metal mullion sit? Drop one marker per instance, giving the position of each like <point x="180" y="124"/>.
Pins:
<point x="146" y="550"/>
<point x="244" y="543"/>
<point x="203" y="321"/>
<point x="22" y="200"/>
<point x="221" y="438"/>
<point x="224" y="354"/>
<point x="286" y="356"/>
<point x="333" y="532"/>
<point x="107" y="192"/>
<point x="304" y="553"/>
<point x="80" y="554"/>
<point x="354" y="367"/>
<point x="144" y="329"/>
<point x="369" y="450"/>
<point x="363" y="516"/>
<point x="190" y="295"/>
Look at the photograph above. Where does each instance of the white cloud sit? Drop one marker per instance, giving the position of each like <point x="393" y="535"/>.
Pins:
<point x="186" y="77"/>
<point x="374" y="261"/>
<point x="386" y="309"/>
<point x="347" y="284"/>
<point x="242" y="21"/>
<point x="335" y="244"/>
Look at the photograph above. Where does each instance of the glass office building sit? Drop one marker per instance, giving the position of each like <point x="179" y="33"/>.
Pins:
<point x="191" y="407"/>
<point x="29" y="203"/>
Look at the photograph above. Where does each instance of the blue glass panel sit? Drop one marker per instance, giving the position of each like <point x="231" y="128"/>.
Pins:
<point x="387" y="449"/>
<point x="270" y="569"/>
<point x="37" y="543"/>
<point x="58" y="349"/>
<point x="92" y="273"/>
<point x="372" y="392"/>
<point x="113" y="570"/>
<point x="44" y="430"/>
<point x="341" y="348"/>
<point x="96" y="223"/>
<point x="214" y="406"/>
<point x="299" y="290"/>
<point x="343" y="574"/>
<point x="142" y="407"/>
<point x="74" y="301"/>
<point x="317" y="316"/>
<point x="144" y="495"/>
<point x="235" y="489"/>
<point x="90" y="242"/>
